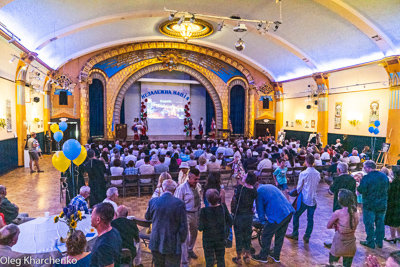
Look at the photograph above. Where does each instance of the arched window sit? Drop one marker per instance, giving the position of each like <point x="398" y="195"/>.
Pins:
<point x="96" y="108"/>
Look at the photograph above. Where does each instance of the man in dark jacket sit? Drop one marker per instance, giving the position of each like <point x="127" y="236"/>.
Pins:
<point x="169" y="226"/>
<point x="374" y="189"/>
<point x="96" y="169"/>
<point x="251" y="161"/>
<point x="10" y="210"/>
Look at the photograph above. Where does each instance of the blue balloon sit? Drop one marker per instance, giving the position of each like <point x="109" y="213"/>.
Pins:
<point x="376" y="131"/>
<point x="377" y="123"/>
<point x="72" y="149"/>
<point x="371" y="129"/>
<point x="63" y="126"/>
<point x="58" y="136"/>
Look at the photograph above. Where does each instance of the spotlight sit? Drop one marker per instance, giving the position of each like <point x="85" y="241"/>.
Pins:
<point x="36" y="99"/>
<point x="12" y="60"/>
<point x="11" y="40"/>
<point x="182" y="19"/>
<point x="240" y="45"/>
<point x="308" y="106"/>
<point x="315" y="102"/>
<point x="192" y="19"/>
<point x="276" y="25"/>
<point x="171" y="17"/>
<point x="259" y="25"/>
<point x="220" y="26"/>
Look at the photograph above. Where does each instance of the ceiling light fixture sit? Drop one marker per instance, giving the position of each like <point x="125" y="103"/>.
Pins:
<point x="259" y="25"/>
<point x="12" y="60"/>
<point x="220" y="26"/>
<point x="171" y="17"/>
<point x="240" y="45"/>
<point x="192" y="19"/>
<point x="182" y="19"/>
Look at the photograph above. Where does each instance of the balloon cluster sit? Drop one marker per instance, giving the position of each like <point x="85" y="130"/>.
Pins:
<point x="71" y="151"/>
<point x="143" y="111"/>
<point x="373" y="127"/>
<point x="58" y="129"/>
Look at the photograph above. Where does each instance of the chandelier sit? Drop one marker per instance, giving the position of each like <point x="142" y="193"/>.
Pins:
<point x="185" y="28"/>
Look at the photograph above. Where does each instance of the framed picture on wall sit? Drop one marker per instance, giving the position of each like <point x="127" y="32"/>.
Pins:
<point x="338" y="115"/>
<point x="287" y="123"/>
<point x="312" y="123"/>
<point x="292" y="124"/>
<point x="307" y="124"/>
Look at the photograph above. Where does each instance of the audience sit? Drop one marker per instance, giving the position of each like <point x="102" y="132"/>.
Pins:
<point x="213" y="166"/>
<point x="96" y="169"/>
<point x="183" y="173"/>
<point x="161" y="167"/>
<point x="79" y="202"/>
<point x="131" y="170"/>
<point x="76" y="246"/>
<point x="392" y="216"/>
<point x="112" y="196"/>
<point x="169" y="226"/>
<point x="107" y="248"/>
<point x="159" y="190"/>
<point x="10" y="211"/>
<point x="8" y="238"/>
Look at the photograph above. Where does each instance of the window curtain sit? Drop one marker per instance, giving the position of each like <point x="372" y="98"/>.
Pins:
<point x="96" y="108"/>
<point x="237" y="109"/>
<point x="210" y="113"/>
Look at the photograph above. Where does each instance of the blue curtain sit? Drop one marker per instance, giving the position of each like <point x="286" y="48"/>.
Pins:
<point x="210" y="112"/>
<point x="237" y="109"/>
<point x="96" y="110"/>
<point x="122" y="113"/>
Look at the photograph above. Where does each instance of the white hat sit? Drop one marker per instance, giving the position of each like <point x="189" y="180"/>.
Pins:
<point x="184" y="165"/>
<point x="255" y="153"/>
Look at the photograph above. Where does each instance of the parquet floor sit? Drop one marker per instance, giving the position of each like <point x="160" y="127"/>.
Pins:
<point x="37" y="193"/>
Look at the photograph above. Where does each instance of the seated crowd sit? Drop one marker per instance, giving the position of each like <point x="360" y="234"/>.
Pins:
<point x="176" y="213"/>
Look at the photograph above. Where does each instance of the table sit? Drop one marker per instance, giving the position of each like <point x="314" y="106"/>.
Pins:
<point x="38" y="237"/>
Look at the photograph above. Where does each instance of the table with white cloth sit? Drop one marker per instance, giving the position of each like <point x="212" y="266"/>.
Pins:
<point x="38" y="238"/>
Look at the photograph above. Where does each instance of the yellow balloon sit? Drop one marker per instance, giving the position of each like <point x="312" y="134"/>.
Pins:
<point x="82" y="156"/>
<point x="60" y="161"/>
<point x="371" y="125"/>
<point x="54" y="127"/>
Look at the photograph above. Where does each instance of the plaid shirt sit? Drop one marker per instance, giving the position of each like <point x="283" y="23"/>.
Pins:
<point x="80" y="203"/>
<point x="131" y="171"/>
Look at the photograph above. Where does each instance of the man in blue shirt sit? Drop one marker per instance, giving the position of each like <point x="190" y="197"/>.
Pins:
<point x="275" y="212"/>
<point x="374" y="189"/>
<point x="79" y="202"/>
<point x="118" y="146"/>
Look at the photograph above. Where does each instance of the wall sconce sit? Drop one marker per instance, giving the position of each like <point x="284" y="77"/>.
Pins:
<point x="298" y="121"/>
<point x="354" y="119"/>
<point x="3" y="123"/>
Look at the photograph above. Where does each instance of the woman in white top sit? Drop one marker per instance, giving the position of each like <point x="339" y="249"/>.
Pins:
<point x="318" y="161"/>
<point x="346" y="158"/>
<point x="159" y="190"/>
<point x="116" y="170"/>
<point x="202" y="167"/>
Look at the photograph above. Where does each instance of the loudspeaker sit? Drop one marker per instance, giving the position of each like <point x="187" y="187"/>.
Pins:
<point x="197" y="136"/>
<point x="36" y="99"/>
<point x="308" y="107"/>
<point x="63" y="98"/>
<point x="144" y="137"/>
<point x="315" y="102"/>
<point x="265" y="103"/>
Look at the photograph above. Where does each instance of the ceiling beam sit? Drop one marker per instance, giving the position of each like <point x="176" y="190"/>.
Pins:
<point x="362" y="23"/>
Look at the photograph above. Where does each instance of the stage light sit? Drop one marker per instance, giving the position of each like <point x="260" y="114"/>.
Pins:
<point x="276" y="25"/>
<point x="192" y="19"/>
<point x="240" y="45"/>
<point x="171" y="17"/>
<point x="220" y="26"/>
<point x="11" y="40"/>
<point x="259" y="25"/>
<point x="12" y="60"/>
<point x="182" y="19"/>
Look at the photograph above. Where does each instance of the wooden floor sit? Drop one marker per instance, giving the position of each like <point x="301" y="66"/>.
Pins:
<point x="38" y="193"/>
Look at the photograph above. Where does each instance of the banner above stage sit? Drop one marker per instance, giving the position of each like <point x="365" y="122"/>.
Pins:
<point x="185" y="95"/>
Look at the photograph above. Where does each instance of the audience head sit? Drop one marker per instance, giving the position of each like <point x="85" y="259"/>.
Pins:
<point x="131" y="164"/>
<point x="161" y="159"/>
<point x="102" y="215"/>
<point x="117" y="162"/>
<point x="334" y="159"/>
<point x="202" y="160"/>
<point x="169" y="185"/>
<point x="76" y="243"/>
<point x="251" y="178"/>
<point x="214" y="180"/>
<point x="90" y="153"/>
<point x="147" y="159"/>
<point x="309" y="160"/>
<point x="122" y="211"/>
<point x="354" y="153"/>
<point x="112" y="193"/>
<point x="163" y="176"/>
<point x="194" y="177"/>
<point x="213" y="158"/>
<point x="369" y="166"/>
<point x="3" y="191"/>
<point x="9" y="235"/>
<point x="168" y="154"/>
<point x="342" y="168"/>
<point x="385" y="171"/>
<point x="84" y="191"/>
<point x="396" y="172"/>
<point x="317" y="156"/>
<point x="212" y="196"/>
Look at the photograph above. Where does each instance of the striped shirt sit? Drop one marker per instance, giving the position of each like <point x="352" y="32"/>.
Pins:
<point x="80" y="203"/>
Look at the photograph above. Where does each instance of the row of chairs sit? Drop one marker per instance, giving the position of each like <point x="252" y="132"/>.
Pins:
<point x="148" y="181"/>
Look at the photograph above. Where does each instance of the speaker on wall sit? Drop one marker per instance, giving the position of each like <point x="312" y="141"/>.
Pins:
<point x="315" y="102"/>
<point x="308" y="107"/>
<point x="265" y="103"/>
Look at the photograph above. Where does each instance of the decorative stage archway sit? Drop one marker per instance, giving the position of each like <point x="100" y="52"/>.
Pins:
<point x="157" y="67"/>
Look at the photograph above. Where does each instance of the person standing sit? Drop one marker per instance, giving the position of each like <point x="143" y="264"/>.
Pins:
<point x="345" y="222"/>
<point x="189" y="192"/>
<point x="169" y="226"/>
<point x="190" y="127"/>
<point x="392" y="217"/>
<point x="374" y="189"/>
<point x="96" y="169"/>
<point x="275" y="213"/>
<point x="47" y="140"/>
<point x="213" y="128"/>
<point x="33" y="154"/>
<point x="201" y="127"/>
<point x="215" y="222"/>
<point x="307" y="199"/>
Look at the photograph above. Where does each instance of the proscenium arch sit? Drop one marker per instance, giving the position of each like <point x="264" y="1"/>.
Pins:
<point x="157" y="67"/>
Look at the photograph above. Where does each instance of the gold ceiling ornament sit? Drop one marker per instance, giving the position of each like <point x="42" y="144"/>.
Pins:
<point x="185" y="29"/>
<point x="170" y="59"/>
<point x="64" y="82"/>
<point x="266" y="88"/>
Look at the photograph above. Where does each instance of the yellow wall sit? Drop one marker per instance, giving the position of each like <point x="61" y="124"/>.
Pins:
<point x="358" y="103"/>
<point x="295" y="108"/>
<point x="7" y="91"/>
<point x="33" y="110"/>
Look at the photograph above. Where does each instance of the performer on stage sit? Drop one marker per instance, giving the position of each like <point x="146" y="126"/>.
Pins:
<point x="213" y="126"/>
<point x="144" y="127"/>
<point x="230" y="126"/>
<point x="190" y="127"/>
<point x="201" y="126"/>
<point x="135" y="129"/>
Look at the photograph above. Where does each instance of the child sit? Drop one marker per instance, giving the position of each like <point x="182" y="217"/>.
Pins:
<point x="345" y="222"/>
<point x="280" y="177"/>
<point x="131" y="170"/>
<point x="358" y="177"/>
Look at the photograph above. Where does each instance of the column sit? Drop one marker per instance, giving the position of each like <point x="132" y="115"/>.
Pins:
<point x="322" y="91"/>
<point x="392" y="66"/>
<point x="21" y="119"/>
<point x="46" y="105"/>
<point x="85" y="131"/>
<point x="252" y="112"/>
<point x="278" y="108"/>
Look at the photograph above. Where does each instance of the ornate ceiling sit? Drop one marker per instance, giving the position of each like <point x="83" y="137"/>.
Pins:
<point x="316" y="35"/>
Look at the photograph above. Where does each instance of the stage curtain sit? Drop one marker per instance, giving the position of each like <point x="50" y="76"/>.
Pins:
<point x="96" y="108"/>
<point x="237" y="109"/>
<point x="210" y="113"/>
<point x="122" y="113"/>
